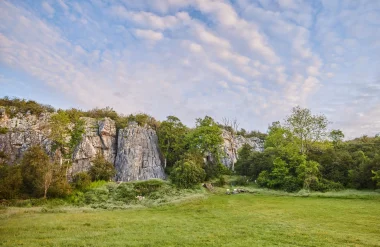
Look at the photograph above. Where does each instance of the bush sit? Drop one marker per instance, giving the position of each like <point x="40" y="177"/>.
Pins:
<point x="3" y="130"/>
<point x="326" y="185"/>
<point x="101" y="169"/>
<point x="242" y="181"/>
<point x="291" y="184"/>
<point x="186" y="174"/>
<point x="222" y="181"/>
<point x="81" y="181"/>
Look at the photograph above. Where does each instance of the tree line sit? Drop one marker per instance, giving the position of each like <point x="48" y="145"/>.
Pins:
<point x="299" y="153"/>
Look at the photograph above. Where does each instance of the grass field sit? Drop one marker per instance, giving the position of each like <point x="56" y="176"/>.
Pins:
<point x="219" y="220"/>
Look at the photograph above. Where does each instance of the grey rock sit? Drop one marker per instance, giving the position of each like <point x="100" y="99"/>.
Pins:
<point x="231" y="147"/>
<point x="138" y="156"/>
<point x="99" y="137"/>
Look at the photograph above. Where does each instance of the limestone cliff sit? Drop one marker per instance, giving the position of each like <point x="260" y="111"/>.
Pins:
<point x="231" y="145"/>
<point x="135" y="153"/>
<point x="138" y="156"/>
<point x="23" y="132"/>
<point x="99" y="136"/>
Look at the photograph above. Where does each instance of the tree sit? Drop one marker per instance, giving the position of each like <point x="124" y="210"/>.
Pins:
<point x="171" y="139"/>
<point x="307" y="127"/>
<point x="231" y="126"/>
<point x="336" y="137"/>
<point x="206" y="139"/>
<point x="187" y="174"/>
<point x="376" y="177"/>
<point x="308" y="172"/>
<point x="60" y="132"/>
<point x="38" y="171"/>
<point x="10" y="180"/>
<point x="101" y="169"/>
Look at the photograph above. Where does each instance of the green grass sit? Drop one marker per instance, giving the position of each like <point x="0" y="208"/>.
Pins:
<point x="219" y="220"/>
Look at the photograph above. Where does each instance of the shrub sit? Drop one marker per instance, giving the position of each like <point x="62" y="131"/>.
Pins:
<point x="10" y="181"/>
<point x="242" y="181"/>
<point x="291" y="184"/>
<point x="326" y="185"/>
<point x="101" y="169"/>
<point x="3" y="130"/>
<point x="186" y="174"/>
<point x="222" y="181"/>
<point x="81" y="181"/>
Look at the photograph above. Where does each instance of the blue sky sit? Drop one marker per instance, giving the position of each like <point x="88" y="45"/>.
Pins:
<point x="249" y="60"/>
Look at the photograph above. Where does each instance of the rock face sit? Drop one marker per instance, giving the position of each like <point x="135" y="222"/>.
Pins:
<point x="138" y="156"/>
<point x="232" y="145"/>
<point x="99" y="137"/>
<point x="135" y="153"/>
<point x="23" y="132"/>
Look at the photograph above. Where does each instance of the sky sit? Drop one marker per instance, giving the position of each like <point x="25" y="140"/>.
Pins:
<point x="249" y="60"/>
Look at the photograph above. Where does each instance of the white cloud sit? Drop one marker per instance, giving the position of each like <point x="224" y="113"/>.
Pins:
<point x="149" y="35"/>
<point x="150" y="20"/>
<point x="264" y="58"/>
<point x="49" y="9"/>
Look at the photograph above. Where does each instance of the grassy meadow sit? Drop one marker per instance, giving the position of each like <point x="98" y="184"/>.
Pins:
<point x="259" y="219"/>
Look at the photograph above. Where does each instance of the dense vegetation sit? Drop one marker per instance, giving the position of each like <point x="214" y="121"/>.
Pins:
<point x="300" y="153"/>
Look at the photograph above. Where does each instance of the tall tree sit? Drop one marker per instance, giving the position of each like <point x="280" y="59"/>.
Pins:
<point x="307" y="127"/>
<point x="206" y="138"/>
<point x="38" y="171"/>
<point x="171" y="139"/>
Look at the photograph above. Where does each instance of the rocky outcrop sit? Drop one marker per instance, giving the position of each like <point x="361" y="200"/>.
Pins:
<point x="138" y="156"/>
<point x="232" y="145"/>
<point x="135" y="153"/>
<point x="99" y="137"/>
<point x="23" y="132"/>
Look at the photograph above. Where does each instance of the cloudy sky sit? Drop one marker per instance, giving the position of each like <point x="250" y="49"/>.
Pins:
<point x="250" y="60"/>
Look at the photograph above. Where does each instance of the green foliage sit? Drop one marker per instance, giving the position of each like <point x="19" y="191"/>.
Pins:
<point x="16" y="105"/>
<point x="60" y="132"/>
<point x="76" y="134"/>
<point x="42" y="176"/>
<point x="171" y="139"/>
<point x="187" y="174"/>
<point x="101" y="168"/>
<point x="306" y="127"/>
<point x="10" y="181"/>
<point x="81" y="181"/>
<point x="206" y="138"/>
<point x="337" y="137"/>
<point x="308" y="172"/>
<point x="3" y="130"/>
<point x="376" y="177"/>
<point x="242" y="181"/>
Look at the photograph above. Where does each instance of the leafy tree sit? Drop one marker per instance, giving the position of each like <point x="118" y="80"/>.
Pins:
<point x="81" y="181"/>
<point x="307" y="127"/>
<point x="10" y="181"/>
<point x="336" y="137"/>
<point x="187" y="174"/>
<point x="39" y="173"/>
<point x="376" y="177"/>
<point x="206" y="139"/>
<point x="308" y="172"/>
<point x="60" y="132"/>
<point x="101" y="169"/>
<point x="76" y="134"/>
<point x="171" y="139"/>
